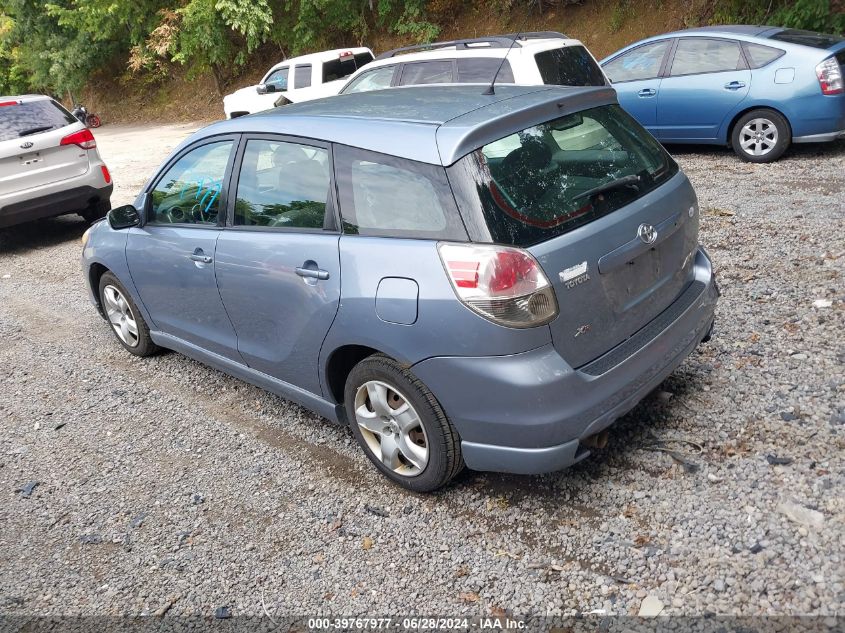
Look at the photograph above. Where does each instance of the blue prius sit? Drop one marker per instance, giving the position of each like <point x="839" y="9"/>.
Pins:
<point x="755" y="88"/>
<point x="462" y="278"/>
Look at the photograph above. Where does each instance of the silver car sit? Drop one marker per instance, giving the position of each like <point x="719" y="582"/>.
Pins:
<point x="49" y="164"/>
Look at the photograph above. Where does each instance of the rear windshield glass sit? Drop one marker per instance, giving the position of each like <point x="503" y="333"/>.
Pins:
<point x="807" y="38"/>
<point x="31" y="117"/>
<point x="338" y="69"/>
<point x="569" y="66"/>
<point x="551" y="178"/>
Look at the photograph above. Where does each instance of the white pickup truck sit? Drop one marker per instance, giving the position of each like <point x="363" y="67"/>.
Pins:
<point x="300" y="78"/>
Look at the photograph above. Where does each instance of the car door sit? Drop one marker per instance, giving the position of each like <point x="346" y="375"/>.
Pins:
<point x="277" y="261"/>
<point x="171" y="257"/>
<point x="635" y="75"/>
<point x="706" y="82"/>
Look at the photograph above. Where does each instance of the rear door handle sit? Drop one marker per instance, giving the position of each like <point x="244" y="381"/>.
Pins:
<point x="735" y="85"/>
<point x="647" y="92"/>
<point x="312" y="273"/>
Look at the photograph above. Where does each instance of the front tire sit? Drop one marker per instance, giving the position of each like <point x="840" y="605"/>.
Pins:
<point x="124" y="317"/>
<point x="761" y="136"/>
<point x="400" y="425"/>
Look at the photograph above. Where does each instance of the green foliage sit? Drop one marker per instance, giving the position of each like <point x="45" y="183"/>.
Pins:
<point x="621" y="12"/>
<point x="812" y="15"/>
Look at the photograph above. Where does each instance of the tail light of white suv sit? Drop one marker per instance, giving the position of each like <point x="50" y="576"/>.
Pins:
<point x="503" y="284"/>
<point x="830" y="77"/>
<point x="82" y="138"/>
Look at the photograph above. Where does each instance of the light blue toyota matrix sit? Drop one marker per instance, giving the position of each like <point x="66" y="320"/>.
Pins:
<point x="465" y="279"/>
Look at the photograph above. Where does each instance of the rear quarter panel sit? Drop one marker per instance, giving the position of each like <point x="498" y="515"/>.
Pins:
<point x="444" y="326"/>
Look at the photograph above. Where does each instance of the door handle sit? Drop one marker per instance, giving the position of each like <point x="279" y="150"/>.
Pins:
<point x="312" y="273"/>
<point x="198" y="256"/>
<point x="647" y="92"/>
<point x="735" y="85"/>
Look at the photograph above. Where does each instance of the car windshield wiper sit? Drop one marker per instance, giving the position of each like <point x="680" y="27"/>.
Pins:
<point x="626" y="181"/>
<point x="35" y="130"/>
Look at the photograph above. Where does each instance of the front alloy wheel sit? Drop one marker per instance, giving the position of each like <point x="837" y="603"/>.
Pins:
<point x="120" y="316"/>
<point x="391" y="428"/>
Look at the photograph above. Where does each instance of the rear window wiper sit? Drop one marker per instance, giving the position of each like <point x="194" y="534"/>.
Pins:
<point x="626" y="181"/>
<point x="35" y="130"/>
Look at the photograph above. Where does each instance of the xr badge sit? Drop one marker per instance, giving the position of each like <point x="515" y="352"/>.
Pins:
<point x="583" y="330"/>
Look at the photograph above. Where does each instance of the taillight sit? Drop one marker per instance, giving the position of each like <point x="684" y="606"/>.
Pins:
<point x="9" y="103"/>
<point x="830" y="76"/>
<point x="106" y="174"/>
<point x="503" y="284"/>
<point x="82" y="138"/>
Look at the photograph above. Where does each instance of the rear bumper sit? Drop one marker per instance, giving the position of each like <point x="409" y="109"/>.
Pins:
<point x="53" y="204"/>
<point x="528" y="413"/>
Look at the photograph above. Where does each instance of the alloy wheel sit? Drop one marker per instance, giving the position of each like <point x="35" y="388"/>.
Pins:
<point x="391" y="428"/>
<point x="120" y="315"/>
<point x="758" y="137"/>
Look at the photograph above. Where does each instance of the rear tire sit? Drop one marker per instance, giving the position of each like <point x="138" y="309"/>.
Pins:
<point x="124" y="317"/>
<point x="761" y="136"/>
<point x="96" y="211"/>
<point x="402" y="428"/>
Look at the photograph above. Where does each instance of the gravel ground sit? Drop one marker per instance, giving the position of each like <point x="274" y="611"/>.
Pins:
<point x="165" y="486"/>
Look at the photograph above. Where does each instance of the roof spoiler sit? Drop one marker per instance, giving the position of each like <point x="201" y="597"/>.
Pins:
<point x="492" y="41"/>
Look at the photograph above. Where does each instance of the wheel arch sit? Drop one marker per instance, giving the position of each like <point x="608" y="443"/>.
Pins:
<point x="728" y="132"/>
<point x="338" y="365"/>
<point x="95" y="272"/>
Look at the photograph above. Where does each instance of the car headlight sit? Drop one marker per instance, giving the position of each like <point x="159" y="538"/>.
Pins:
<point x="85" y="236"/>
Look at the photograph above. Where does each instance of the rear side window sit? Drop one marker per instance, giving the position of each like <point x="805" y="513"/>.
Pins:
<point x="435" y="72"/>
<point x="552" y="178"/>
<point x="643" y="62"/>
<point x="480" y="70"/>
<point x="569" y="66"/>
<point x="282" y="185"/>
<point x="32" y="117"/>
<point x="696" y="55"/>
<point x="302" y="76"/>
<point x="392" y="197"/>
<point x="376" y="79"/>
<point x="344" y="66"/>
<point x="759" y="55"/>
<point x="807" y="38"/>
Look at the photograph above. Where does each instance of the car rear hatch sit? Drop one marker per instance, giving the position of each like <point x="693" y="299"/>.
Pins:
<point x="604" y="210"/>
<point x="31" y="150"/>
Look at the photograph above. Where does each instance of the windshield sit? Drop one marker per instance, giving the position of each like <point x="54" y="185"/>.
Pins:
<point x="31" y="117"/>
<point x="552" y="178"/>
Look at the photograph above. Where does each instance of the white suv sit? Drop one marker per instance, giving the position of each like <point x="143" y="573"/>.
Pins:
<point x="529" y="59"/>
<point x="49" y="164"/>
<point x="298" y="79"/>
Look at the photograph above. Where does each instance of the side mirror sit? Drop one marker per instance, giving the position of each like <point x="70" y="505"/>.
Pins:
<point x="264" y="89"/>
<point x="124" y="217"/>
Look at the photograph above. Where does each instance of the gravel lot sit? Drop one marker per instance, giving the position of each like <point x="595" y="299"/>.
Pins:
<point x="165" y="486"/>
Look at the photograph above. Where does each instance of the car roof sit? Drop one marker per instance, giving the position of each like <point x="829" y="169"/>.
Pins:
<point x="752" y="30"/>
<point x="24" y="98"/>
<point x="433" y="124"/>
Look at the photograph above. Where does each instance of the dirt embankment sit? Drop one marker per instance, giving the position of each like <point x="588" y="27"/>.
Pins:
<point x="603" y="25"/>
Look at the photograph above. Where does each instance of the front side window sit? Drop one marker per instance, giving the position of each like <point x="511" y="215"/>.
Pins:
<point x="279" y="79"/>
<point x="388" y="196"/>
<point x="696" y="55"/>
<point x="189" y="192"/>
<point x="759" y="55"/>
<point x="376" y="79"/>
<point x="481" y="70"/>
<point x="435" y="72"/>
<point x="643" y="62"/>
<point x="282" y="185"/>
<point x="569" y="66"/>
<point x="552" y="178"/>
<point x="302" y="76"/>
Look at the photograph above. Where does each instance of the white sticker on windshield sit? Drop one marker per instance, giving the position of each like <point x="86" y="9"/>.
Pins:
<point x="573" y="271"/>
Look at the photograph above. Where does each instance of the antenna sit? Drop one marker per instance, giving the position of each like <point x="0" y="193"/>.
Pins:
<point x="490" y="89"/>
